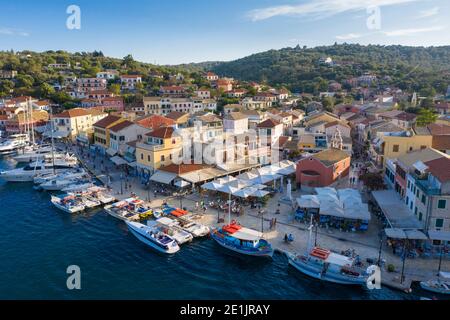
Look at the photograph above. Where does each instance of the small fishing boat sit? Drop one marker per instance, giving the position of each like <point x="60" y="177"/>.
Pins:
<point x="67" y="203"/>
<point x="328" y="266"/>
<point x="90" y="203"/>
<point x="169" y="226"/>
<point x="436" y="286"/>
<point x="101" y="194"/>
<point x="242" y="240"/>
<point x="154" y="238"/>
<point x="129" y="209"/>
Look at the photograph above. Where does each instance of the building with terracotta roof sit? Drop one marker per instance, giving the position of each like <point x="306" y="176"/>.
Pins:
<point x="161" y="147"/>
<point x="122" y="133"/>
<point x="181" y="118"/>
<point x="155" y="121"/>
<point x="71" y="123"/>
<point x="102" y="134"/>
<point x="270" y="130"/>
<point x="323" y="169"/>
<point x="21" y="121"/>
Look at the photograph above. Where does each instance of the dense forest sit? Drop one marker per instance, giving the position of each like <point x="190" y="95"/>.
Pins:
<point x="425" y="70"/>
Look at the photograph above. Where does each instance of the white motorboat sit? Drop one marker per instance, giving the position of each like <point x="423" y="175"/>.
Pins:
<point x="196" y="229"/>
<point x="64" y="180"/>
<point x="72" y="174"/>
<point x="128" y="210"/>
<point x="101" y="194"/>
<point x="67" y="203"/>
<point x="76" y="187"/>
<point x="169" y="227"/>
<point x="90" y="202"/>
<point x="29" y="172"/>
<point x="37" y="154"/>
<point x="13" y="143"/>
<point x="154" y="238"/>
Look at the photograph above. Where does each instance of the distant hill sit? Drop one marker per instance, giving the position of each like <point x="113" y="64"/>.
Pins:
<point x="412" y="68"/>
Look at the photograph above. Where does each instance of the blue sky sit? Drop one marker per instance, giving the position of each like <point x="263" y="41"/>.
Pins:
<point x="182" y="31"/>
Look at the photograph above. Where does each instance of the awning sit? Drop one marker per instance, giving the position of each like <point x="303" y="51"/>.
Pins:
<point x="118" y="161"/>
<point x="181" y="183"/>
<point x="412" y="234"/>
<point x="111" y="152"/>
<point x="132" y="164"/>
<point x="163" y="177"/>
<point x="439" y="235"/>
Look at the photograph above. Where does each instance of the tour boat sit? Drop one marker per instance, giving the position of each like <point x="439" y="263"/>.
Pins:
<point x="68" y="203"/>
<point x="128" y="210"/>
<point x="328" y="266"/>
<point x="242" y="240"/>
<point x="30" y="171"/>
<point x="169" y="226"/>
<point x="13" y="143"/>
<point x="154" y="238"/>
<point x="90" y="202"/>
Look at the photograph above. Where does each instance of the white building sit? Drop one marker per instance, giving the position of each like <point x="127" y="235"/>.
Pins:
<point x="235" y="123"/>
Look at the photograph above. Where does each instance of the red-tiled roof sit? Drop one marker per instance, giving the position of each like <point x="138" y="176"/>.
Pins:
<point x="162" y="133"/>
<point x="269" y="123"/>
<point x="155" y="122"/>
<point x="121" y="125"/>
<point x="72" y="113"/>
<point x="438" y="129"/>
<point x="175" y="115"/>
<point x="107" y="121"/>
<point x="440" y="168"/>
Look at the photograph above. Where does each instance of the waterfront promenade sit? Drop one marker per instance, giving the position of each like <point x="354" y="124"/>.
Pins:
<point x="366" y="245"/>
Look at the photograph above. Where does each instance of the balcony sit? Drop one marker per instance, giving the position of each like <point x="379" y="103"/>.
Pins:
<point x="150" y="147"/>
<point x="428" y="188"/>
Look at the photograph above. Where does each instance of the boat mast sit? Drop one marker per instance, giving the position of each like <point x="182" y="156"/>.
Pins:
<point x="32" y="122"/>
<point x="309" y="248"/>
<point x="53" y="141"/>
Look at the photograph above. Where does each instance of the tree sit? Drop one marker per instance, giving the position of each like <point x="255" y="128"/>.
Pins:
<point x="5" y="87"/>
<point x="115" y="88"/>
<point x="373" y="181"/>
<point x="426" y="116"/>
<point x="46" y="90"/>
<point x="24" y="81"/>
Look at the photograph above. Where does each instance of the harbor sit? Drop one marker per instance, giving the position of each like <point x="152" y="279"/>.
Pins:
<point x="122" y="188"/>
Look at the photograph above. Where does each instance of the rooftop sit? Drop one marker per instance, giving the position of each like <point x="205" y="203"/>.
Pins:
<point x="120" y="126"/>
<point x="163" y="133"/>
<point x="107" y="121"/>
<point x="331" y="156"/>
<point x="440" y="168"/>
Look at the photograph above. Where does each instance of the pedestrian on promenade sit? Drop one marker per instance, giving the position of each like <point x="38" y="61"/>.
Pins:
<point x="275" y="223"/>
<point x="196" y="206"/>
<point x="271" y="224"/>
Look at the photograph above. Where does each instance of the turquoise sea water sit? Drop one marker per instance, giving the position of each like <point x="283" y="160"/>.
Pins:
<point x="38" y="243"/>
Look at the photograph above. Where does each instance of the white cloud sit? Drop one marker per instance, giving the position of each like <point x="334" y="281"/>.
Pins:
<point x="321" y="8"/>
<point x="412" y="31"/>
<point x="13" y="32"/>
<point x="428" y="13"/>
<point x="349" y="36"/>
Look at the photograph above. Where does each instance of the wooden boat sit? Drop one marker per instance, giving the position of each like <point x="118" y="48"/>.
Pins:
<point x="242" y="240"/>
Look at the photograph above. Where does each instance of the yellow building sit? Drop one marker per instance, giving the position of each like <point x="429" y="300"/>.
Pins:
<point x="101" y="131"/>
<point x="396" y="144"/>
<point x="158" y="150"/>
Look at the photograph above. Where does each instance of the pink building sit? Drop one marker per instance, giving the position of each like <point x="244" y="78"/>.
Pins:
<point x="323" y="168"/>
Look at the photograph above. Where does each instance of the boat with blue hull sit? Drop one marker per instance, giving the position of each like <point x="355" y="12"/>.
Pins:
<point x="153" y="237"/>
<point x="242" y="240"/>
